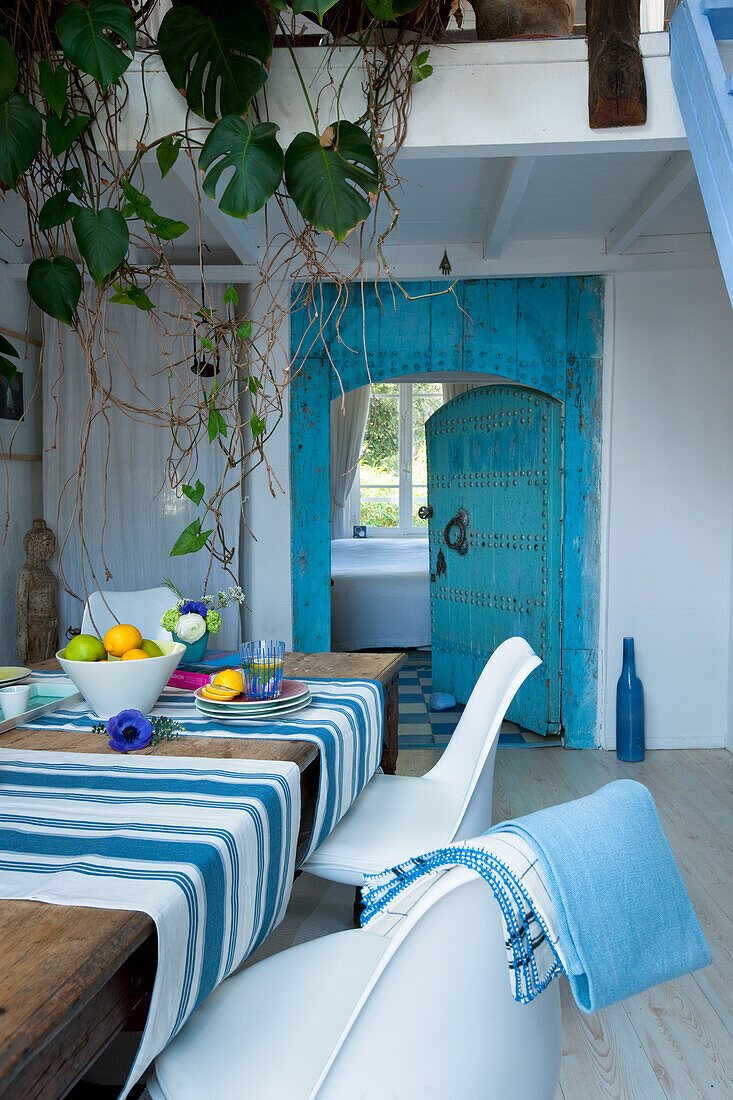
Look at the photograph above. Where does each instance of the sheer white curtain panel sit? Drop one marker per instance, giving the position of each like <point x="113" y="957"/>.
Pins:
<point x="130" y="529"/>
<point x="349" y="415"/>
<point x="452" y="389"/>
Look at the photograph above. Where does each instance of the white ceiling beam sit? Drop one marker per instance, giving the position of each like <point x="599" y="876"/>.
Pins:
<point x="581" y="256"/>
<point x="235" y="231"/>
<point x="514" y="184"/>
<point x="676" y="174"/>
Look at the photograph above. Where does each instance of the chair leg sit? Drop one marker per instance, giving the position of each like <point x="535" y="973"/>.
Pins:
<point x="359" y="907"/>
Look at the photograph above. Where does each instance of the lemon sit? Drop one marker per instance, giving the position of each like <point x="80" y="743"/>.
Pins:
<point x="119" y="639"/>
<point x="135" y="655"/>
<point x="231" y="679"/>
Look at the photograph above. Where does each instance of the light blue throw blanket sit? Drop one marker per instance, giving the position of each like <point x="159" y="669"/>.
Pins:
<point x="622" y="920"/>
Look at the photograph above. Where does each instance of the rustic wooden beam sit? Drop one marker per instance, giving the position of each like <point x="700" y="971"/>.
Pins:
<point x="616" y="84"/>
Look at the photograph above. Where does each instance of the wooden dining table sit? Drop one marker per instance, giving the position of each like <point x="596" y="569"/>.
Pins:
<point x="71" y="978"/>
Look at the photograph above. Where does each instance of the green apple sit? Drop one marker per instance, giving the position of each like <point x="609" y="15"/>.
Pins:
<point x="85" y="647"/>
<point x="151" y="648"/>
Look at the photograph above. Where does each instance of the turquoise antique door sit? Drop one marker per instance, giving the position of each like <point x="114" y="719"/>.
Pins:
<point x="495" y="457"/>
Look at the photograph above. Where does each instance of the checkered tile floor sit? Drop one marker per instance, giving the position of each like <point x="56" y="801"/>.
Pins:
<point x="421" y="728"/>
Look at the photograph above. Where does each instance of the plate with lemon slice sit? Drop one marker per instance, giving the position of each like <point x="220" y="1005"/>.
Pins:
<point x="224" y="695"/>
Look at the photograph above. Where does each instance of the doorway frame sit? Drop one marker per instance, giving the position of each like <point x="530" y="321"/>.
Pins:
<point x="545" y="333"/>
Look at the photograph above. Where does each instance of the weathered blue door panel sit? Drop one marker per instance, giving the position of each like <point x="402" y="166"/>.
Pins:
<point x="543" y="332"/>
<point x="496" y="453"/>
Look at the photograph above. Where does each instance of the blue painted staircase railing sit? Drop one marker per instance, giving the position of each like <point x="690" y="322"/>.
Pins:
<point x="705" y="97"/>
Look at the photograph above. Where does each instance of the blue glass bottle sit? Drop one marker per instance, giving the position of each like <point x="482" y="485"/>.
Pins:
<point x="629" y="709"/>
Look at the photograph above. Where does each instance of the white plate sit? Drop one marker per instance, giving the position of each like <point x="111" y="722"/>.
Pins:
<point x="10" y="674"/>
<point x="213" y="707"/>
<point x="250" y="716"/>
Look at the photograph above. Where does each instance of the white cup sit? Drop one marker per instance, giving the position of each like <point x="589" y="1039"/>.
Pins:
<point x="14" y="700"/>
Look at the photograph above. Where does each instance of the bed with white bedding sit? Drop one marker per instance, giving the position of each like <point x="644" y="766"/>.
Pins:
<point x="380" y="594"/>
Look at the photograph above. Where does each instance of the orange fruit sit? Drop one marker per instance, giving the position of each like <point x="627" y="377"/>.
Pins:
<point x="230" y="678"/>
<point x="119" y="639"/>
<point x="135" y="655"/>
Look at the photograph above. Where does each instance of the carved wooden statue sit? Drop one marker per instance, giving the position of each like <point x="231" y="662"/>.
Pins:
<point x="35" y="597"/>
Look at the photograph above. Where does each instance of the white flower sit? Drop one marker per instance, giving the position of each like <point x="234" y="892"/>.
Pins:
<point x="190" y="627"/>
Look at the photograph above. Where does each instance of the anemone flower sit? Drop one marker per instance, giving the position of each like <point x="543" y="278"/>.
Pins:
<point x="196" y="607"/>
<point x="129" y="730"/>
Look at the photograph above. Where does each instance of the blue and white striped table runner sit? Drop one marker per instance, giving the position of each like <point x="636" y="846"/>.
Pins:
<point x="205" y="847"/>
<point x="345" y="721"/>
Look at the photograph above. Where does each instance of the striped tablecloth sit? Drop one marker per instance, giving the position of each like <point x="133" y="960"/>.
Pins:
<point x="206" y="848"/>
<point x="345" y="721"/>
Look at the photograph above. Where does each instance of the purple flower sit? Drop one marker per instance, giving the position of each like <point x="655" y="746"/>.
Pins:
<point x="194" y="606"/>
<point x="129" y="730"/>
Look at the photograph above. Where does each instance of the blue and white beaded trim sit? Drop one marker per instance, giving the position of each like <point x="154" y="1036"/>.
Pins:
<point x="519" y="911"/>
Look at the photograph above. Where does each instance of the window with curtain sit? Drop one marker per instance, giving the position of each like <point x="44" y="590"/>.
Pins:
<point x="393" y="478"/>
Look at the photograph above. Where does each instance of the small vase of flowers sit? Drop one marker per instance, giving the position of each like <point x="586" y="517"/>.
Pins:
<point x="192" y="621"/>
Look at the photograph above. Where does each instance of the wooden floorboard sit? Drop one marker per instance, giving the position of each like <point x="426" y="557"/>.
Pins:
<point x="674" y="1041"/>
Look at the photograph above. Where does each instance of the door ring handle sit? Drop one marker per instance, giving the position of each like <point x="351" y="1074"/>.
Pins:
<point x="459" y="541"/>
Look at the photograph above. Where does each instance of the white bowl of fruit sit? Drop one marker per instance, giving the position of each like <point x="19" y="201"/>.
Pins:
<point x="121" y="671"/>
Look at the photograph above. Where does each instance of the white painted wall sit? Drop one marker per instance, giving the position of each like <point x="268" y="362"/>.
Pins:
<point x="670" y="501"/>
<point x="23" y="483"/>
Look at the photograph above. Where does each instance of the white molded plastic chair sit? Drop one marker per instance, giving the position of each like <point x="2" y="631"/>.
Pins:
<point x="143" y="609"/>
<point x="396" y="816"/>
<point x="423" y="1012"/>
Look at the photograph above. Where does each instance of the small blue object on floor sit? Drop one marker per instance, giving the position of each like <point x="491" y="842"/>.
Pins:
<point x="441" y="700"/>
<point x="625" y="921"/>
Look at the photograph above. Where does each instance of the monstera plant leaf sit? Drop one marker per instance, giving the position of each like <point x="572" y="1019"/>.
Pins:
<point x="389" y="10"/>
<point x="314" y="7"/>
<point x="102" y="238"/>
<point x="54" y="85"/>
<point x="83" y="32"/>
<point x="255" y="157"/>
<point x="191" y="539"/>
<point x="61" y="134"/>
<point x="57" y="210"/>
<point x="21" y="134"/>
<point x="8" y="370"/>
<point x="139" y="206"/>
<point x="55" y="286"/>
<point x="329" y="178"/>
<point x="8" y="68"/>
<point x="216" y="52"/>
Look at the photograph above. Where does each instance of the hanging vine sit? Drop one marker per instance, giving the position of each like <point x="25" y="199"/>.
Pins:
<point x="63" y="96"/>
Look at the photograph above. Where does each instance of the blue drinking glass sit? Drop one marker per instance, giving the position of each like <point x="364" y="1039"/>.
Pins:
<point x="262" y="668"/>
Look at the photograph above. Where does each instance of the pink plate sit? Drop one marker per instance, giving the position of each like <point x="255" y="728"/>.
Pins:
<point x="292" y="689"/>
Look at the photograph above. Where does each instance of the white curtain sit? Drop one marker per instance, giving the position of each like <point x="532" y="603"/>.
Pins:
<point x="349" y="415"/>
<point x="452" y="389"/>
<point x="143" y="515"/>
